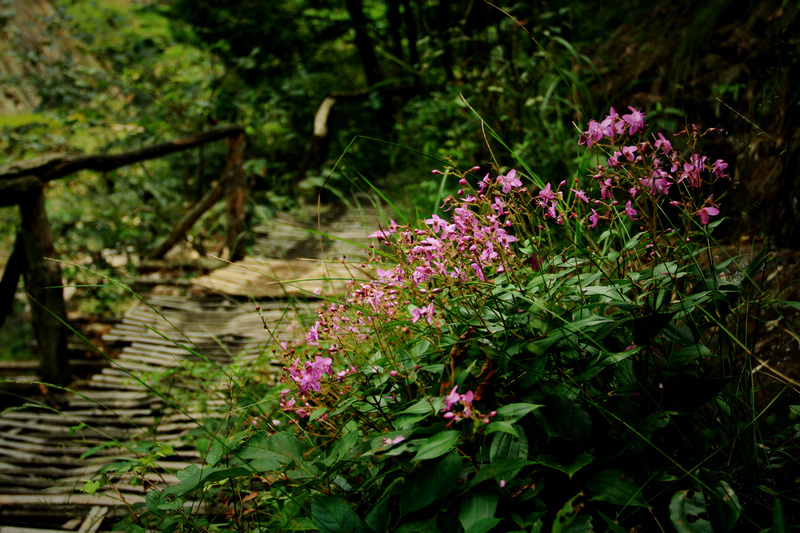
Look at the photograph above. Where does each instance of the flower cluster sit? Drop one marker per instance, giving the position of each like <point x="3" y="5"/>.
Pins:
<point x="459" y="407"/>
<point x="307" y="375"/>
<point x="472" y="245"/>
<point x="642" y="170"/>
<point x="436" y="263"/>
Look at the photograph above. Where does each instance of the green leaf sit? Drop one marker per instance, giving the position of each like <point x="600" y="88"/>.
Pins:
<point x="378" y="518"/>
<point x="500" y="426"/>
<point x="342" y="447"/>
<point x="508" y="446"/>
<point x="429" y="484"/>
<point x="778" y="518"/>
<point x="332" y="515"/>
<point x="687" y="511"/>
<point x="569" y="519"/>
<point x="317" y="413"/>
<point x="90" y="487"/>
<point x="482" y="526"/>
<point x="499" y="470"/>
<point x="724" y="508"/>
<point x="570" y="469"/>
<point x="515" y="411"/>
<point x="568" y="419"/>
<point x="612" y="486"/>
<point x="423" y="406"/>
<point x="477" y="514"/>
<point x="437" y="445"/>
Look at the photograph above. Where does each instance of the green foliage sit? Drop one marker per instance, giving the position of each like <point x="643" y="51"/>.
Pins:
<point x="523" y="365"/>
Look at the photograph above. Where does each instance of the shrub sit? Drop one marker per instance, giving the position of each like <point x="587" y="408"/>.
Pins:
<point x="555" y="358"/>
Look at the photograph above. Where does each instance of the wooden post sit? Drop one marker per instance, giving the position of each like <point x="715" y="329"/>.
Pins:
<point x="8" y="284"/>
<point x="236" y="193"/>
<point x="44" y="286"/>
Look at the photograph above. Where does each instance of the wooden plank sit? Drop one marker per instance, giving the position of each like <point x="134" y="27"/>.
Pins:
<point x="93" y="520"/>
<point x="99" y="498"/>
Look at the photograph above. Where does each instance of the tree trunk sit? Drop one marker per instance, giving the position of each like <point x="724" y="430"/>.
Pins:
<point x="236" y="191"/>
<point x="411" y="36"/>
<point x="8" y="284"/>
<point x="44" y="286"/>
<point x="364" y="44"/>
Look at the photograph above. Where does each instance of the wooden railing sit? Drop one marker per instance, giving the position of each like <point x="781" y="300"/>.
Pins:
<point x="23" y="184"/>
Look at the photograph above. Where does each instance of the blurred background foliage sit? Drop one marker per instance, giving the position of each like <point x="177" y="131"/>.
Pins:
<point x="410" y="77"/>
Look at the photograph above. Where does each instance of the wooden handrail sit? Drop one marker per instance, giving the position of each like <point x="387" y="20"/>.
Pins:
<point x="20" y="178"/>
<point x="23" y="183"/>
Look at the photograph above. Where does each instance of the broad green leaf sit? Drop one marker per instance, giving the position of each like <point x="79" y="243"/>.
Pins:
<point x="423" y="406"/>
<point x="568" y="418"/>
<point x="612" y="486"/>
<point x="500" y="426"/>
<point x="515" y="411"/>
<point x="569" y="519"/>
<point x="778" y="518"/>
<point x="90" y="487"/>
<point x="333" y="515"/>
<point x="317" y="413"/>
<point x="342" y="447"/>
<point x="477" y="513"/>
<point x="614" y="358"/>
<point x="420" y="526"/>
<point x="483" y="526"/>
<point x="687" y="511"/>
<point x="437" y="445"/>
<point x="499" y="470"/>
<point x="724" y="508"/>
<point x="570" y="469"/>
<point x="430" y="483"/>
<point x="378" y="518"/>
<point x="508" y="446"/>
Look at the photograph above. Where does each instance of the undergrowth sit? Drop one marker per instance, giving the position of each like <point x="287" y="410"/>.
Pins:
<point x="550" y="356"/>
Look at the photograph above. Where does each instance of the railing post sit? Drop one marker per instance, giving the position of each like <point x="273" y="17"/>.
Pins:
<point x="44" y="286"/>
<point x="236" y="193"/>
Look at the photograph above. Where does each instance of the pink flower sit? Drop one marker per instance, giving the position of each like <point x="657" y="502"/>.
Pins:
<point x="437" y="224"/>
<point x="628" y="152"/>
<point x="581" y="195"/>
<point x="630" y="211"/>
<point x="452" y="398"/>
<point x="509" y="181"/>
<point x="705" y="212"/>
<point x="594" y="134"/>
<point x="385" y="233"/>
<point x="419" y="312"/>
<point x="635" y="119"/>
<point x="664" y="144"/>
<point x="605" y="187"/>
<point x="719" y="168"/>
<point x="593" y="219"/>
<point x="313" y="334"/>
<point x="546" y="194"/>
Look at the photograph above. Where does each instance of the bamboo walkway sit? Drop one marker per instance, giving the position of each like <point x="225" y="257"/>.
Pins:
<point x="53" y="450"/>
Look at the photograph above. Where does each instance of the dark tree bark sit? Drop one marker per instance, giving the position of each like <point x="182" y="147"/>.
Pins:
<point x="443" y="20"/>
<point x="236" y="192"/>
<point x="411" y="36"/>
<point x="15" y="267"/>
<point x="44" y="286"/>
<point x="364" y="44"/>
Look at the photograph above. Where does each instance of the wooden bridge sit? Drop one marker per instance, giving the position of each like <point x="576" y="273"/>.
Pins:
<point x="53" y="450"/>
